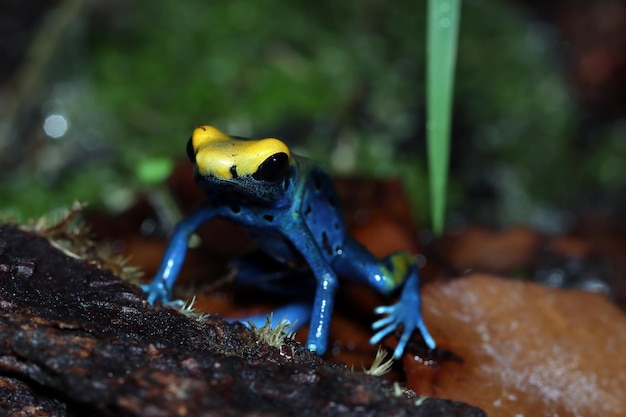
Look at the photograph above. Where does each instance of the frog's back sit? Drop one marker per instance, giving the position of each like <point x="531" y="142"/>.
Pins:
<point x="320" y="208"/>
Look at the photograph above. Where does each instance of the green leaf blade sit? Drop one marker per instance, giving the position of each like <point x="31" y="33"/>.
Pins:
<point x="442" y="35"/>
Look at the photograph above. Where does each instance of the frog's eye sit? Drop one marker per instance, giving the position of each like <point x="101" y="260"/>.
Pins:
<point x="273" y="169"/>
<point x="191" y="153"/>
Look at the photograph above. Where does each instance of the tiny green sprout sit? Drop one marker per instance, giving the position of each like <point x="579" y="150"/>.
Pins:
<point x="64" y="230"/>
<point x="420" y="400"/>
<point x="398" y="390"/>
<point x="273" y="336"/>
<point x="67" y="232"/>
<point x="379" y="366"/>
<point x="188" y="310"/>
<point x="117" y="264"/>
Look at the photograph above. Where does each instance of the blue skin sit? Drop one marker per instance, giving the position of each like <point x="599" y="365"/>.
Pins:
<point x="293" y="219"/>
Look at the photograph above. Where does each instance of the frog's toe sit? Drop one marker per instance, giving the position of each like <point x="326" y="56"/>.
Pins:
<point x="157" y="293"/>
<point x="385" y="325"/>
<point x="384" y="309"/>
<point x="404" y="339"/>
<point x="175" y="303"/>
<point x="398" y="315"/>
<point x="152" y="296"/>
<point x="380" y="335"/>
<point x="382" y="322"/>
<point x="428" y="339"/>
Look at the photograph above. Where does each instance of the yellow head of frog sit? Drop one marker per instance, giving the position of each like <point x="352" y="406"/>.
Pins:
<point x="226" y="157"/>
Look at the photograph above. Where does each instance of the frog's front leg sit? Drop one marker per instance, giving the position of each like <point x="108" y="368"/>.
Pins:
<point x="326" y="281"/>
<point x="160" y="289"/>
<point x="406" y="312"/>
<point x="396" y="270"/>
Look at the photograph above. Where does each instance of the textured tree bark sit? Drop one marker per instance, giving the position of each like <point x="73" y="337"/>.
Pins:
<point x="77" y="340"/>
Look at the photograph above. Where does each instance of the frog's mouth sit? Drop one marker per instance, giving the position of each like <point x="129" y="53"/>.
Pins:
<point x="242" y="189"/>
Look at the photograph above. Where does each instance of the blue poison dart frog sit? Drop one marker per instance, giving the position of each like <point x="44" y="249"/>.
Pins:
<point x="291" y="210"/>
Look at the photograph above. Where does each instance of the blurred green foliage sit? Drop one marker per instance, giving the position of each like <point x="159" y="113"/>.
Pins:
<point x="343" y="82"/>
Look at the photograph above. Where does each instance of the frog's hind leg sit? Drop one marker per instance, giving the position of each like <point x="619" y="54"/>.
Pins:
<point x="394" y="271"/>
<point x="258" y="269"/>
<point x="297" y="314"/>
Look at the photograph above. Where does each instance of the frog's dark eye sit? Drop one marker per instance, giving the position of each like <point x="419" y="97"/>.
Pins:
<point x="190" y="151"/>
<point x="273" y="169"/>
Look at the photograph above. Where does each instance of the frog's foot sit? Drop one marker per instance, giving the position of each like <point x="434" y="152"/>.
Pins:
<point x="158" y="293"/>
<point x="407" y="312"/>
<point x="409" y="318"/>
<point x="296" y="314"/>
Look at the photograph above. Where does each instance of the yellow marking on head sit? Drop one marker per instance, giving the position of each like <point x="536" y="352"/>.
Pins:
<point x="216" y="152"/>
